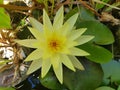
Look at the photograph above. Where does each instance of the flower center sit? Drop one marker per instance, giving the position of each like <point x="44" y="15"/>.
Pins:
<point x="54" y="45"/>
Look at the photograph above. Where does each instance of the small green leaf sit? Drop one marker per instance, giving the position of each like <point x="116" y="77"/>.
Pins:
<point x="4" y="19"/>
<point x="6" y="88"/>
<point x="97" y="53"/>
<point x="118" y="87"/>
<point x="103" y="35"/>
<point x="1" y="1"/>
<point x="104" y="88"/>
<point x="99" y="6"/>
<point x="40" y="1"/>
<point x="112" y="70"/>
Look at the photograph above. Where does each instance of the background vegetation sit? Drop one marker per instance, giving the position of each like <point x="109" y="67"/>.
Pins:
<point x="102" y="67"/>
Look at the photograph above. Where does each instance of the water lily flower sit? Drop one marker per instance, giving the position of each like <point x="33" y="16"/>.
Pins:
<point x="55" y="44"/>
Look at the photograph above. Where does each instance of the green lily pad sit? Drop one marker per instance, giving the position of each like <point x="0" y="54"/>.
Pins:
<point x="88" y="79"/>
<point x="112" y="71"/>
<point x="103" y="35"/>
<point x="97" y="53"/>
<point x="84" y="14"/>
<point x="104" y="88"/>
<point x="50" y="81"/>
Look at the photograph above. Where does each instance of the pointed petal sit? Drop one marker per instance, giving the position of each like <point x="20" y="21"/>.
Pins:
<point x="67" y="62"/>
<point x="76" y="33"/>
<point x="36" y="54"/>
<point x="58" y="20"/>
<point x="46" y="64"/>
<point x="78" y="52"/>
<point x="70" y="22"/>
<point x="46" y="21"/>
<point x="57" y="67"/>
<point x="32" y="43"/>
<point x="58" y="72"/>
<point x="76" y="62"/>
<point x="35" y="65"/>
<point x="83" y="39"/>
<point x="55" y="60"/>
<point x="36" y="24"/>
<point x="37" y="34"/>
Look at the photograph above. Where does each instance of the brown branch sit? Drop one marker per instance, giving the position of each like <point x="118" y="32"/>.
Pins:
<point x="90" y="8"/>
<point x="14" y="7"/>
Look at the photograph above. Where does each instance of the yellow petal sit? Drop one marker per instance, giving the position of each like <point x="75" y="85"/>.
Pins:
<point x="83" y="39"/>
<point x="58" y="20"/>
<point x="32" y="43"/>
<point x="36" y="54"/>
<point x="76" y="33"/>
<point x="78" y="52"/>
<point x="76" y="62"/>
<point x="55" y="60"/>
<point x="37" y="34"/>
<point x="70" y="22"/>
<point x="46" y="21"/>
<point x="35" y="65"/>
<point x="36" y="24"/>
<point x="71" y="43"/>
<point x="58" y="72"/>
<point x="46" y="64"/>
<point x="67" y="62"/>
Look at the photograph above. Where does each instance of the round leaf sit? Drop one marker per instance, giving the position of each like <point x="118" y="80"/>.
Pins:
<point x="97" y="53"/>
<point x="103" y="35"/>
<point x="104" y="88"/>
<point x="112" y="70"/>
<point x="88" y="79"/>
<point x="50" y="81"/>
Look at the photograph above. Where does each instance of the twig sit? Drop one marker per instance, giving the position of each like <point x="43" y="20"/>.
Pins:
<point x="14" y="7"/>
<point x="90" y="8"/>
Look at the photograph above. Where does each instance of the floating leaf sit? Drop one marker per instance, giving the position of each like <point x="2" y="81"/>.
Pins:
<point x="85" y="14"/>
<point x="97" y="53"/>
<point x="103" y="35"/>
<point x="104" y="88"/>
<point x="50" y="81"/>
<point x="112" y="70"/>
<point x="88" y="79"/>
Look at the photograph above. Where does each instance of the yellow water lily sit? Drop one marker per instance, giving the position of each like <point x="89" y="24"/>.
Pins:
<point x="55" y="44"/>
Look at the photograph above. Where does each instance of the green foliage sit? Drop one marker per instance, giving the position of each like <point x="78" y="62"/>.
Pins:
<point x="4" y="19"/>
<point x="50" y="81"/>
<point x="88" y="79"/>
<point x="99" y="6"/>
<point x="1" y="1"/>
<point x="97" y="53"/>
<point x="112" y="71"/>
<point x="103" y="35"/>
<point x="104" y="88"/>
<point x="6" y="88"/>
